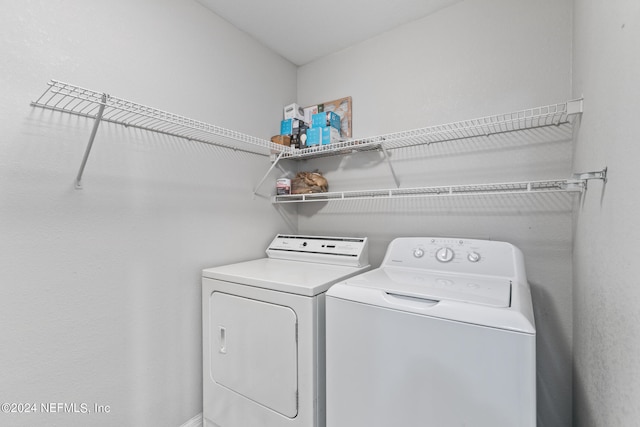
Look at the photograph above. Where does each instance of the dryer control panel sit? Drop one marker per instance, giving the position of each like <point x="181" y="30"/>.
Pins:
<point x="351" y="251"/>
<point x="459" y="256"/>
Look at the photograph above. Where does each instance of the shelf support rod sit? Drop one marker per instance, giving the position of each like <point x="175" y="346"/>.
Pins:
<point x="273" y="165"/>
<point x="98" y="119"/>
<point x="388" y="159"/>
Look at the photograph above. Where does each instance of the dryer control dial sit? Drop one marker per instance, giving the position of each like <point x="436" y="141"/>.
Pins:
<point x="418" y="253"/>
<point x="445" y="254"/>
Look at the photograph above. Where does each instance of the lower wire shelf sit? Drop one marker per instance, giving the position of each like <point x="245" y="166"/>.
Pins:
<point x="525" y="187"/>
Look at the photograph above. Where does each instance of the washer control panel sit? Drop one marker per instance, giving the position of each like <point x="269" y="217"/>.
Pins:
<point x="451" y="254"/>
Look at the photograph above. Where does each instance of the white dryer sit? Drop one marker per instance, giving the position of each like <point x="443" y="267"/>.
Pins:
<point x="263" y="332"/>
<point x="441" y="335"/>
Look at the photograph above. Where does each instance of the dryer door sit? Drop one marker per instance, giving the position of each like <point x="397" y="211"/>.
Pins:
<point x="254" y="350"/>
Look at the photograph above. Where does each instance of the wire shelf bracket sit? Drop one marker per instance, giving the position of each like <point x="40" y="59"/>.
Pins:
<point x="587" y="176"/>
<point x="388" y="159"/>
<point x="92" y="137"/>
<point x="264" y="177"/>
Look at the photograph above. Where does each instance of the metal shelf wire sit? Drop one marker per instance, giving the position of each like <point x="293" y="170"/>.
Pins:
<point x="549" y="115"/>
<point x="561" y="114"/>
<point x="525" y="187"/>
<point x="101" y="107"/>
<point x="72" y="99"/>
<point x="68" y="98"/>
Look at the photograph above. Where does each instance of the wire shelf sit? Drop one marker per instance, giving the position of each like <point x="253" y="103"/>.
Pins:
<point x="526" y="187"/>
<point x="72" y="99"/>
<point x="68" y="98"/>
<point x="549" y="115"/>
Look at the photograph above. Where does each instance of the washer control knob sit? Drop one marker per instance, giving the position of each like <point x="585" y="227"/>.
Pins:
<point x="473" y="256"/>
<point x="418" y="253"/>
<point x="444" y="254"/>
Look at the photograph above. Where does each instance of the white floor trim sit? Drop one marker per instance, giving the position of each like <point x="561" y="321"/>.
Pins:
<point x="194" y="422"/>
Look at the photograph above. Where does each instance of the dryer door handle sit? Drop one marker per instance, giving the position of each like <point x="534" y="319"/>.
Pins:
<point x="222" y="331"/>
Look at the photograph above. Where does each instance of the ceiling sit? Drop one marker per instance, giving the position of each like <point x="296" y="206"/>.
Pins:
<point x="304" y="30"/>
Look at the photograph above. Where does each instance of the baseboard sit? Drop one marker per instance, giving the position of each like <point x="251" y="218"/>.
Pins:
<point x="194" y="422"/>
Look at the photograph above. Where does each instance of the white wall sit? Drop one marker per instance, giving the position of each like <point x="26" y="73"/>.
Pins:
<point x="473" y="59"/>
<point x="100" y="287"/>
<point x="606" y="292"/>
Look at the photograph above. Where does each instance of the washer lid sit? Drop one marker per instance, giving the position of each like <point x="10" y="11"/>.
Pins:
<point x="496" y="301"/>
<point x="438" y="286"/>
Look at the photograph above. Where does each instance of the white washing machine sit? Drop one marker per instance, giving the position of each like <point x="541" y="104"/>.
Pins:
<point x="263" y="332"/>
<point x="441" y="335"/>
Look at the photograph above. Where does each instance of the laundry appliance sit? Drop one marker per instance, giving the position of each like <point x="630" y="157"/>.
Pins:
<point x="263" y="332"/>
<point x="441" y="335"/>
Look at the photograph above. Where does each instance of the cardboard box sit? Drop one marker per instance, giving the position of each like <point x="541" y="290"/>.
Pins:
<point x="330" y="135"/>
<point x="294" y="111"/>
<point x="302" y="139"/>
<point x="283" y="186"/>
<point x="322" y="135"/>
<point x="309" y="112"/>
<point x="326" y="118"/>
<point x="298" y="127"/>
<point x="286" y="127"/>
<point x="281" y="139"/>
<point x="291" y="126"/>
<point x="299" y="136"/>
<point x="314" y="137"/>
<point x="342" y="107"/>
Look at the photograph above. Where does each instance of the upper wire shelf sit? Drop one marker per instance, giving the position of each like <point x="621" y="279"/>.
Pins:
<point x="549" y="115"/>
<point x="68" y="98"/>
